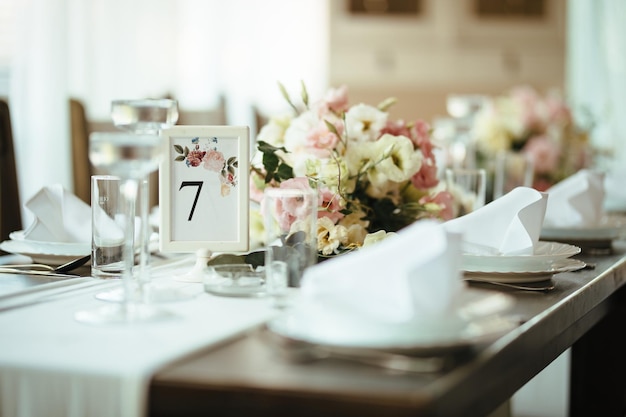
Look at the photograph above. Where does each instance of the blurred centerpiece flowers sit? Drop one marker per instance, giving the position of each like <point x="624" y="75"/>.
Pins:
<point x="373" y="175"/>
<point x="540" y="126"/>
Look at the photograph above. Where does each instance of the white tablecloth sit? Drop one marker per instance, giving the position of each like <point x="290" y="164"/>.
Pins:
<point x="51" y="365"/>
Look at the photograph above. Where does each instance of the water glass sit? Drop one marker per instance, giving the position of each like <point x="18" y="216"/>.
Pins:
<point x="469" y="188"/>
<point x="107" y="227"/>
<point x="290" y="220"/>
<point x="512" y="170"/>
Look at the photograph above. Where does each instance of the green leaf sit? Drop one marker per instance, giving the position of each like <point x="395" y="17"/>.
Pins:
<point x="231" y="170"/>
<point x="267" y="148"/>
<point x="226" y="258"/>
<point x="231" y="160"/>
<point x="284" y="172"/>
<point x="256" y="258"/>
<point x="388" y="102"/>
<point x="235" y="164"/>
<point x="186" y="151"/>
<point x="304" y="94"/>
<point x="179" y="158"/>
<point x="283" y="91"/>
<point x="178" y="148"/>
<point x="270" y="162"/>
<point x="331" y="127"/>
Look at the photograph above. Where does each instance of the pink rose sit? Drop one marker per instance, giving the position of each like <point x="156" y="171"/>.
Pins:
<point x="336" y="100"/>
<point x="544" y="152"/>
<point x="445" y="200"/>
<point x="421" y="138"/>
<point x="396" y="128"/>
<point x="214" y="161"/>
<point x="330" y="206"/>
<point x="426" y="177"/>
<point x="321" y="141"/>
<point x="195" y="157"/>
<point x="288" y="210"/>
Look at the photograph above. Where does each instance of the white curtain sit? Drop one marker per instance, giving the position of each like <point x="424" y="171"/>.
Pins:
<point x="194" y="50"/>
<point x="596" y="69"/>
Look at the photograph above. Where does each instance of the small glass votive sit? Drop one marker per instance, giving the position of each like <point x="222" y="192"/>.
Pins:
<point x="234" y="280"/>
<point x="107" y="227"/>
<point x="290" y="220"/>
<point x="468" y="187"/>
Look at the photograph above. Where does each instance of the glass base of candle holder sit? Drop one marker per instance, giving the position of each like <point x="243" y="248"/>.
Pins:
<point x="123" y="314"/>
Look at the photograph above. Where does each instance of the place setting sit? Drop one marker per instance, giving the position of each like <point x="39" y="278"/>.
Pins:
<point x="576" y="214"/>
<point x="501" y="243"/>
<point x="60" y="232"/>
<point x="413" y="311"/>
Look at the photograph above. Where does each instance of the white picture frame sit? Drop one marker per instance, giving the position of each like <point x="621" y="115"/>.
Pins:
<point x="204" y="189"/>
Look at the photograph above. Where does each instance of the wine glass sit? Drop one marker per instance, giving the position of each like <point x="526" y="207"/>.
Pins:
<point x="131" y="157"/>
<point x="145" y="116"/>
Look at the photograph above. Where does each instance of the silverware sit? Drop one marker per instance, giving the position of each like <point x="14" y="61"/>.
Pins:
<point x="530" y="286"/>
<point x="50" y="274"/>
<point x="60" y="271"/>
<point x="392" y="361"/>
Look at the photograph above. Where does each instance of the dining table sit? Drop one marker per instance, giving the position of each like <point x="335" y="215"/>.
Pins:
<point x="218" y="356"/>
<point x="584" y="312"/>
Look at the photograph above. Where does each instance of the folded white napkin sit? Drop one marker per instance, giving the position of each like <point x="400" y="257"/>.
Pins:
<point x="509" y="225"/>
<point x="614" y="190"/>
<point x="408" y="278"/>
<point x="576" y="201"/>
<point x="60" y="216"/>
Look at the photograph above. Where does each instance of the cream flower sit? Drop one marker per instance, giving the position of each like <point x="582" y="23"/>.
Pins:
<point x="364" y="123"/>
<point x="401" y="161"/>
<point x="274" y="131"/>
<point x="356" y="226"/>
<point x="373" y="238"/>
<point x="330" y="236"/>
<point x="296" y="133"/>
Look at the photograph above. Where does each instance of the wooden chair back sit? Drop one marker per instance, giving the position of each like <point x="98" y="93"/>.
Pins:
<point x="10" y="206"/>
<point x="81" y="167"/>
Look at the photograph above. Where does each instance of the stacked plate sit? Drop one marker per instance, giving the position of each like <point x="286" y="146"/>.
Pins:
<point x="549" y="258"/>
<point x="49" y="253"/>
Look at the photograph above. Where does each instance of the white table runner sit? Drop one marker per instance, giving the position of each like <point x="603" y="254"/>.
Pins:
<point x="54" y="366"/>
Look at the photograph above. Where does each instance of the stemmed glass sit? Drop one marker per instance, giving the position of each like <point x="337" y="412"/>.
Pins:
<point x="143" y="117"/>
<point x="131" y="157"/>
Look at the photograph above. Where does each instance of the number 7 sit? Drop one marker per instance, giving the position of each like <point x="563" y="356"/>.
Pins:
<point x="195" y="200"/>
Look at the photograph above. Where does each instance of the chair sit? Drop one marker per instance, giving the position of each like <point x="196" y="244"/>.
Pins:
<point x="209" y="117"/>
<point x="10" y="214"/>
<point x="80" y="128"/>
<point x="81" y="167"/>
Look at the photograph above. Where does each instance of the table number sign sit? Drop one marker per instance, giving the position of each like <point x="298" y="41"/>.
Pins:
<point x="204" y="188"/>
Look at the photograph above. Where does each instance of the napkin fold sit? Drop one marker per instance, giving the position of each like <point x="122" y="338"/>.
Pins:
<point x="408" y="277"/>
<point x="614" y="190"/>
<point x="60" y="216"/>
<point x="576" y="201"/>
<point x="509" y="225"/>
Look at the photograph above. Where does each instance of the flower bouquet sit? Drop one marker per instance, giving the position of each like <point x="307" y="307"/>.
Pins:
<point x="540" y="126"/>
<point x="373" y="175"/>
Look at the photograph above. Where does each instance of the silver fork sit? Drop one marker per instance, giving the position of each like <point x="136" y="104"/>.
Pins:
<point x="538" y="286"/>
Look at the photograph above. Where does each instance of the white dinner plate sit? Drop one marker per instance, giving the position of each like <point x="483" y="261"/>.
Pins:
<point x="545" y="255"/>
<point x="611" y="227"/>
<point x="477" y="318"/>
<point x="49" y="253"/>
<point x="562" y="265"/>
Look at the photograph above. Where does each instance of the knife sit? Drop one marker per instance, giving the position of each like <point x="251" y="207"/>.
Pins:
<point x="7" y="270"/>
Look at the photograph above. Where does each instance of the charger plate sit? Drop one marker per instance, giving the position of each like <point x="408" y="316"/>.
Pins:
<point x="563" y="265"/>
<point x="49" y="253"/>
<point x="545" y="255"/>
<point x="609" y="228"/>
<point x="479" y="317"/>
